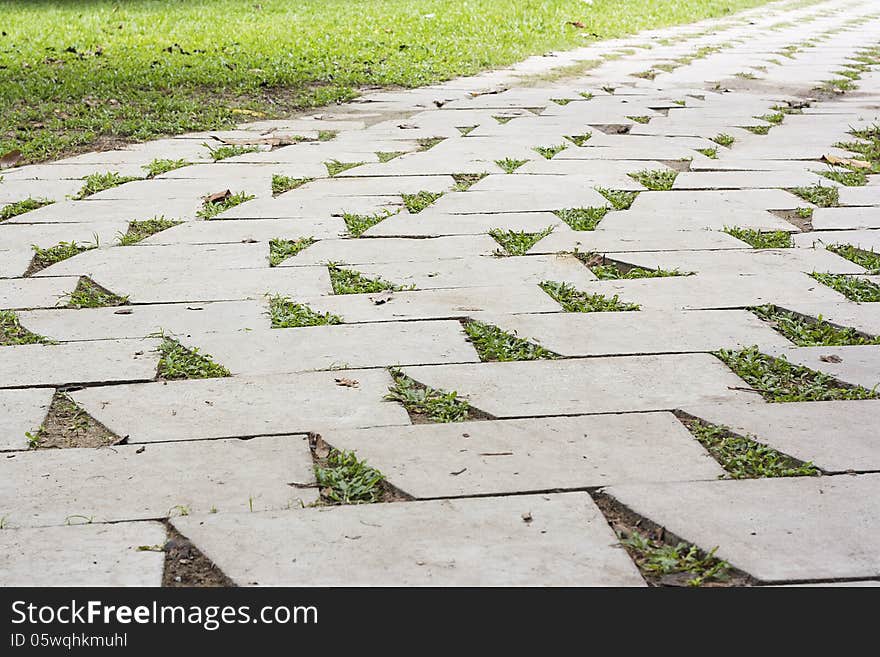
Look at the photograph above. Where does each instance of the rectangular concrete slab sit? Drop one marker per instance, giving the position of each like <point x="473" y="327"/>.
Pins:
<point x="778" y="530"/>
<point x="500" y="457"/>
<point x="590" y="385"/>
<point x="46" y="487"/>
<point x="83" y="555"/>
<point x="242" y="406"/>
<point x="529" y="540"/>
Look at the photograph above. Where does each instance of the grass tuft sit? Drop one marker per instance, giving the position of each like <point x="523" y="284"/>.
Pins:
<point x="346" y="480"/>
<point x="387" y="156"/>
<point x="415" y="203"/>
<point x="141" y="230"/>
<point x="13" y="333"/>
<point x="281" y="249"/>
<point x="807" y="332"/>
<point x="89" y="294"/>
<point x="870" y="260"/>
<point x="179" y="362"/>
<point x="517" y="243"/>
<point x="777" y="239"/>
<point x="20" y="207"/>
<point x="358" y="224"/>
<point x="62" y="251"/>
<point x="284" y="313"/>
<point x="159" y="166"/>
<point x="428" y="403"/>
<point x="724" y="139"/>
<point x="348" y="281"/>
<point x="427" y="143"/>
<point x="824" y="197"/>
<point x="211" y="209"/>
<point x="573" y="300"/>
<point x="619" y="199"/>
<point x="657" y="559"/>
<point x="777" y="380"/>
<point x="582" y="218"/>
<point x="494" y="344"/>
<point x="335" y="167"/>
<point x="226" y="151"/>
<point x="509" y="165"/>
<point x="98" y="182"/>
<point x="464" y="181"/>
<point x="281" y="184"/>
<point x="548" y="152"/>
<point x="847" y="177"/>
<point x="852" y="287"/>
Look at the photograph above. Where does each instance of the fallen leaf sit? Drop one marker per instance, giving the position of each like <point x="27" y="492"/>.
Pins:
<point x="123" y="311"/>
<point x="845" y="161"/>
<point x="455" y="474"/>
<point x="319" y="446"/>
<point x="384" y="297"/>
<point x="248" y="112"/>
<point x="216" y="197"/>
<point x="348" y="383"/>
<point x="527" y="517"/>
<point x="831" y="358"/>
<point x="577" y="24"/>
<point x="408" y="126"/>
<point x="9" y="159"/>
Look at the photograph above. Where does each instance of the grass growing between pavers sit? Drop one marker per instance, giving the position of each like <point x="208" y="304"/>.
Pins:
<point x="20" y="207"/>
<point x="777" y="239"/>
<point x="68" y="425"/>
<point x="516" y="242"/>
<point x="426" y="404"/>
<point x="62" y="251"/>
<point x="549" y="152"/>
<point x="819" y="195"/>
<point x="619" y="199"/>
<point x="610" y="270"/>
<point x="281" y="184"/>
<point x="777" y="380"/>
<point x="580" y="140"/>
<point x="465" y="130"/>
<point x="344" y="479"/>
<point x="509" y="165"/>
<point x="573" y="300"/>
<point x="159" y="166"/>
<point x="98" y="182"/>
<point x="284" y="313"/>
<point x="464" y="181"/>
<point x="358" y="224"/>
<point x="335" y="167"/>
<point x="141" y="230"/>
<point x="282" y="249"/>
<point x="724" y="139"/>
<point x="494" y="344"/>
<point x="226" y="151"/>
<point x="349" y="281"/>
<point x="870" y="260"/>
<point x="852" y="287"/>
<point x="221" y="202"/>
<point x="387" y="156"/>
<point x="13" y="333"/>
<point x="711" y="153"/>
<point x="179" y="362"/>
<point x="658" y="180"/>
<point x="582" y="218"/>
<point x="662" y="558"/>
<point x="427" y="143"/>
<point x="743" y="457"/>
<point x="845" y="176"/>
<point x="808" y="332"/>
<point x="417" y="202"/>
<point x="88" y="294"/>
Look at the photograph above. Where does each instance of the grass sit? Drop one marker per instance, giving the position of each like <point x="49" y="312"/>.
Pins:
<point x="657" y="559"/>
<point x="776" y="118"/>
<point x="179" y="362"/>
<point x="434" y="405"/>
<point x="758" y="129"/>
<point x="465" y="130"/>
<point x="509" y="165"/>
<point x="281" y="184"/>
<point x="870" y="260"/>
<point x="818" y="194"/>
<point x="358" y="224"/>
<point x="724" y="140"/>
<point x="20" y="207"/>
<point x="847" y="177"/>
<point x="640" y="119"/>
<point x="776" y="239"/>
<point x="573" y="300"/>
<point x="464" y="181"/>
<point x="62" y="251"/>
<point x="806" y="332"/>
<point x="344" y="479"/>
<point x="226" y="151"/>
<point x="211" y="209"/>
<point x="548" y="152"/>
<point x="613" y="271"/>
<point x="743" y="457"/>
<point x="89" y="294"/>
<point x="504" y="119"/>
<point x="777" y="380"/>
<point x="281" y="249"/>
<point x="852" y="287"/>
<point x="98" y="182"/>
<point x="415" y="203"/>
<point x="427" y="143"/>
<point x="619" y="199"/>
<point x="517" y="243"/>
<point x="580" y="140"/>
<point x="387" y="156"/>
<point x="284" y="313"/>
<point x="494" y="344"/>
<point x="582" y="218"/>
<point x="141" y="230"/>
<point x="13" y="333"/>
<point x="711" y="153"/>
<point x="348" y="281"/>
<point x="335" y="167"/>
<point x="158" y="166"/>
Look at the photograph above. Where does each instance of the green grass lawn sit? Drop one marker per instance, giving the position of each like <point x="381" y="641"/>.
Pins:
<point x="80" y="73"/>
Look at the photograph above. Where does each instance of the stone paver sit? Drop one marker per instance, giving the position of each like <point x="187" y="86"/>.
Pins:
<point x="474" y="542"/>
<point x="647" y="156"/>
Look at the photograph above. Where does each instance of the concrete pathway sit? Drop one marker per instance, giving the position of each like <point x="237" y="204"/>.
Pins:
<point x="500" y="237"/>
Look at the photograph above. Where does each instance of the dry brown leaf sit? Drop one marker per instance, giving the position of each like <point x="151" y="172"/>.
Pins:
<point x="348" y="383"/>
<point x="319" y="446"/>
<point x="845" y="161"/>
<point x="9" y="159"/>
<point x="577" y="24"/>
<point x="216" y="197"/>
<point x="831" y="358"/>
